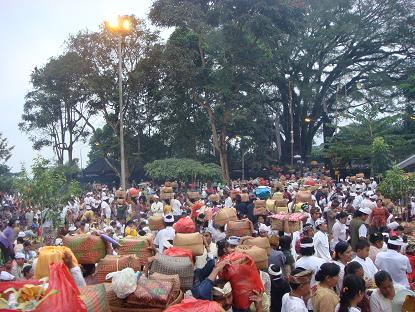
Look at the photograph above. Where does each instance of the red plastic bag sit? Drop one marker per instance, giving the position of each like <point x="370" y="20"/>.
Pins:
<point x="67" y="298"/>
<point x="244" y="278"/>
<point x="179" y="252"/>
<point x="185" y="225"/>
<point x="194" y="305"/>
<point x="195" y="208"/>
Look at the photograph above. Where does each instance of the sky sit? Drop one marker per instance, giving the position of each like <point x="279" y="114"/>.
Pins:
<point x="32" y="31"/>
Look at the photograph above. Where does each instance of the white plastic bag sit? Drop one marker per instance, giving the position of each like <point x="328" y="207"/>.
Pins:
<point x="124" y="282"/>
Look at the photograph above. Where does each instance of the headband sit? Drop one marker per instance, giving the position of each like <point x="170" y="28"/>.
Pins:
<point x="220" y="292"/>
<point x="274" y="273"/>
<point x="396" y="242"/>
<point x="303" y="277"/>
<point x="306" y="245"/>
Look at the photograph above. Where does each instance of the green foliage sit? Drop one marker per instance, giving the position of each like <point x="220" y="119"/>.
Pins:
<point x="380" y="156"/>
<point x="47" y="188"/>
<point x="390" y="140"/>
<point x="5" y="149"/>
<point x="183" y="170"/>
<point x="397" y="184"/>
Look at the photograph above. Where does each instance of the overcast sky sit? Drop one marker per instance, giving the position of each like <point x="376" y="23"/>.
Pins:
<point x="32" y="31"/>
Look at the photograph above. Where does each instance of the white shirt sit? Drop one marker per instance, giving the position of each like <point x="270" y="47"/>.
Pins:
<point x="368" y="267"/>
<point x="357" y="201"/>
<point x="310" y="263"/>
<point x="363" y="231"/>
<point x="228" y="202"/>
<point x="201" y="260"/>
<point x="339" y="284"/>
<point x="378" y="303"/>
<point x="176" y="207"/>
<point x="105" y="210"/>
<point x="396" y="264"/>
<point x="339" y="233"/>
<point x="77" y="276"/>
<point x="292" y="304"/>
<point x="165" y="234"/>
<point x="321" y="245"/>
<point x="351" y="309"/>
<point x="157" y="208"/>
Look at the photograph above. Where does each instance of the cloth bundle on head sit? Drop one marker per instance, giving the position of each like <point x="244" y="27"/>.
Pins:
<point x="393" y="225"/>
<point x="21" y="235"/>
<point x="320" y="221"/>
<point x="222" y="291"/>
<point x="169" y="218"/>
<point x="303" y="277"/>
<point x="397" y="241"/>
<point x="272" y="270"/>
<point x="264" y="228"/>
<point x="233" y="240"/>
<point x="365" y="210"/>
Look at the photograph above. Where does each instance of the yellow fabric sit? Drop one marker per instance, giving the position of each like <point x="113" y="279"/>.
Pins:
<point x="49" y="255"/>
<point x="130" y="231"/>
<point x="167" y="209"/>
<point x="324" y="300"/>
<point x="88" y="213"/>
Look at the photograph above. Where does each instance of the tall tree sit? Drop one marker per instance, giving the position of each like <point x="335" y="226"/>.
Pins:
<point x="55" y="112"/>
<point x="100" y="50"/>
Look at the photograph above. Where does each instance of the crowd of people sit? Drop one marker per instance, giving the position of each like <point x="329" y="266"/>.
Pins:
<point x="350" y="252"/>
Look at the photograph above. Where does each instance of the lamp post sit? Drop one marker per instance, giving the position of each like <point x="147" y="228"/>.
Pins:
<point x="121" y="26"/>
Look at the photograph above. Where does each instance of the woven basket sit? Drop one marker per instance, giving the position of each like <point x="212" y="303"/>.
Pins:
<point x="239" y="228"/>
<point x="225" y="215"/>
<point x="139" y="246"/>
<point x="192" y="241"/>
<point x="193" y="195"/>
<point x="244" y="197"/>
<point x="260" y="211"/>
<point x="88" y="249"/>
<point x="166" y="196"/>
<point x="259" y="203"/>
<point x="174" y="279"/>
<point x="214" y="198"/>
<point x="156" y="223"/>
<point x="174" y="265"/>
<point x="277" y="225"/>
<point x="259" y="255"/>
<point x="123" y="307"/>
<point x="260" y="242"/>
<point x="151" y="293"/>
<point x="116" y="263"/>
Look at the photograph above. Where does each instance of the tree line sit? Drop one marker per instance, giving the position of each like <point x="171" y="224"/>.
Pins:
<point x="260" y="78"/>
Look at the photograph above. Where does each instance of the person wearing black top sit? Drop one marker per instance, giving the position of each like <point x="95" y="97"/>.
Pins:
<point x="279" y="287"/>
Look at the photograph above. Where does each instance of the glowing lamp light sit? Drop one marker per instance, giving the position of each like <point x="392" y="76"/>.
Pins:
<point x="307" y="119"/>
<point x="114" y="22"/>
<point x="126" y="24"/>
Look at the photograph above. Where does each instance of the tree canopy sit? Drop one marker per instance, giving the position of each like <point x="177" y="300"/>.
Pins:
<point x="182" y="170"/>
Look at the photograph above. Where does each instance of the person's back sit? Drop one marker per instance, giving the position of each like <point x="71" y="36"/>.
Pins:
<point x="279" y="287"/>
<point x="354" y="232"/>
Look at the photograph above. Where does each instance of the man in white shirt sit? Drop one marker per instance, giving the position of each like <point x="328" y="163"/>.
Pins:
<point x="321" y="241"/>
<point x="105" y="207"/>
<point x="157" y="207"/>
<point x="228" y="200"/>
<point x="358" y="198"/>
<point x="373" y="185"/>
<point x="300" y="285"/>
<point x="165" y="235"/>
<point x="393" y="262"/>
<point x="176" y="206"/>
<point x="309" y="261"/>
<point x="362" y="256"/>
<point x="381" y="298"/>
<point x="367" y="202"/>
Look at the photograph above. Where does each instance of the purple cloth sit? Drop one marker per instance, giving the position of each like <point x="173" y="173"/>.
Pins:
<point x="8" y="238"/>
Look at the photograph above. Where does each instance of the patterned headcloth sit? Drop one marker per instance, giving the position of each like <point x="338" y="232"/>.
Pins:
<point x="303" y="277"/>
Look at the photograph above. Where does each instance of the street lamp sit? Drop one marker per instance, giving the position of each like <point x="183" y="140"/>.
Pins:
<point x="120" y="26"/>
